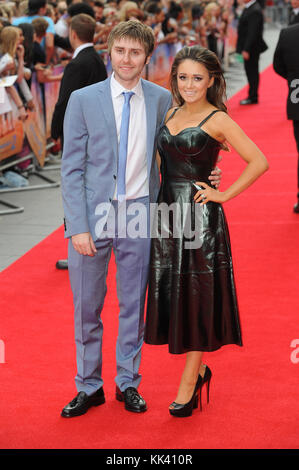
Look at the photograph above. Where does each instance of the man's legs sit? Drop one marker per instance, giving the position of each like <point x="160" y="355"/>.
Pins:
<point x="132" y="260"/>
<point x="252" y="73"/>
<point x="88" y="281"/>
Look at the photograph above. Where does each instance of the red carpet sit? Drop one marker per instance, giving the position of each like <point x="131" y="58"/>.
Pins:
<point x="254" y="389"/>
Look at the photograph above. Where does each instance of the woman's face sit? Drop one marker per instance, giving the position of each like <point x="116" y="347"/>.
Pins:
<point x="21" y="37"/>
<point x="193" y="81"/>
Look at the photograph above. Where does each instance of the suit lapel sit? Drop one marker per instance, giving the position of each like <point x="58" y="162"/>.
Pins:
<point x="151" y="119"/>
<point x="107" y="106"/>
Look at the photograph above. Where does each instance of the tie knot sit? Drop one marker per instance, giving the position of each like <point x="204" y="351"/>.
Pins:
<point x="128" y="95"/>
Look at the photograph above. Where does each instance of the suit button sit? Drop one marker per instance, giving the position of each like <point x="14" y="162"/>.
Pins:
<point x="110" y="199"/>
<point x="114" y="176"/>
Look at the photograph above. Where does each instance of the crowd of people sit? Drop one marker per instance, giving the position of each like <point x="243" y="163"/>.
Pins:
<point x="34" y="34"/>
<point x="34" y="37"/>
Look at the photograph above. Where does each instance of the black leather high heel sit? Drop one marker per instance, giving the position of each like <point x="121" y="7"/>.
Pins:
<point x="201" y="381"/>
<point x="185" y="410"/>
<point x="182" y="411"/>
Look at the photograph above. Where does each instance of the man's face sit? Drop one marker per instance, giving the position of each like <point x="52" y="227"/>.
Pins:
<point x="295" y="3"/>
<point x="43" y="10"/>
<point x="98" y="12"/>
<point x="160" y="17"/>
<point x="128" y="59"/>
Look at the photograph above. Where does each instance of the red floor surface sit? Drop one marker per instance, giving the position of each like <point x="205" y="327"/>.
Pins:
<point x="254" y="390"/>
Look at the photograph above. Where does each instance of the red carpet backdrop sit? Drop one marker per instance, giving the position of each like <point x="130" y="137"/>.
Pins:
<point x="254" y="390"/>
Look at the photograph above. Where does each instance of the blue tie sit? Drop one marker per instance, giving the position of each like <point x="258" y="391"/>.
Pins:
<point x="123" y="146"/>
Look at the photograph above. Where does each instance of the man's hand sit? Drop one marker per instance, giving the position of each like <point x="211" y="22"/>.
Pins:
<point x="30" y="105"/>
<point x="216" y="175"/>
<point x="83" y="244"/>
<point x="245" y="55"/>
<point x="39" y="66"/>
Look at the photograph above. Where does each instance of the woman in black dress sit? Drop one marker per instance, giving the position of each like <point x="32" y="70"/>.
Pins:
<point x="192" y="303"/>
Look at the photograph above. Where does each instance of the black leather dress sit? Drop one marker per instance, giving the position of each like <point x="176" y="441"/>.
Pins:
<point x="192" y="302"/>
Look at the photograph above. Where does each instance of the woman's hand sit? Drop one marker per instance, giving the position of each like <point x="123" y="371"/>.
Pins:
<point x="208" y="194"/>
<point x="22" y="114"/>
<point x="20" y="51"/>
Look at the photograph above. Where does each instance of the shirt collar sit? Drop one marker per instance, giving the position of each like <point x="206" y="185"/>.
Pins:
<point x="117" y="89"/>
<point x="80" y="48"/>
<point x="247" y="5"/>
<point x="296" y="10"/>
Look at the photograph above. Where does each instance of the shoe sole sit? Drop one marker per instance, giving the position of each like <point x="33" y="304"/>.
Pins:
<point x="182" y="415"/>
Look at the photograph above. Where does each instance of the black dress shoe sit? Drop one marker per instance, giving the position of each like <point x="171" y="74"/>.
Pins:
<point x="296" y="208"/>
<point x="133" y="400"/>
<point x="249" y="101"/>
<point x="62" y="264"/>
<point x="82" y="402"/>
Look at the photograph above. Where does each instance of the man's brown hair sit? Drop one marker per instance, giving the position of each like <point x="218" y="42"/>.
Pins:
<point x="84" y="26"/>
<point x="133" y="29"/>
<point x="40" y="26"/>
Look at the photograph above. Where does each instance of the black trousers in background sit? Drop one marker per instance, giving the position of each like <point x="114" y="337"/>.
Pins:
<point x="296" y="134"/>
<point x="252" y="73"/>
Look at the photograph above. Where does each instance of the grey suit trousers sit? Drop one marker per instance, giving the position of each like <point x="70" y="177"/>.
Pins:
<point x="88" y="282"/>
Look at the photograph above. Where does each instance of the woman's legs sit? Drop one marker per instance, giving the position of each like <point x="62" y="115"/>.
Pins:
<point x="193" y="367"/>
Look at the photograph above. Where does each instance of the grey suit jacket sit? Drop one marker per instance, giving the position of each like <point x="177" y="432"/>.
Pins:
<point x="90" y="153"/>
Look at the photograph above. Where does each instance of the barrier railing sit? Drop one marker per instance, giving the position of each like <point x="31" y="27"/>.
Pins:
<point x="36" y="130"/>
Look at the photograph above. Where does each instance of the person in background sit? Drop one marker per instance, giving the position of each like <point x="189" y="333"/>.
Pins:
<point x="85" y="68"/>
<point x="38" y="8"/>
<point x="28" y="33"/>
<point x="294" y="12"/>
<point x="250" y="44"/>
<point x="286" y="64"/>
<point x="62" y="43"/>
<point x="44" y="72"/>
<point x="40" y="26"/>
<point x="61" y="26"/>
<point x="10" y="44"/>
<point x="98" y="9"/>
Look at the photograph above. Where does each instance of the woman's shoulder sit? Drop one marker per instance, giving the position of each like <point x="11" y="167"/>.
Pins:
<point x="218" y="123"/>
<point x="219" y="115"/>
<point x="171" y="111"/>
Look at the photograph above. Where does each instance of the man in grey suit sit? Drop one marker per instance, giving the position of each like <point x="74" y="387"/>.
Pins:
<point x="108" y="166"/>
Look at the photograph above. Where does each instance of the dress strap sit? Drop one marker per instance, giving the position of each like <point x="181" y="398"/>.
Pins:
<point x="208" y="117"/>
<point x="172" y="114"/>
